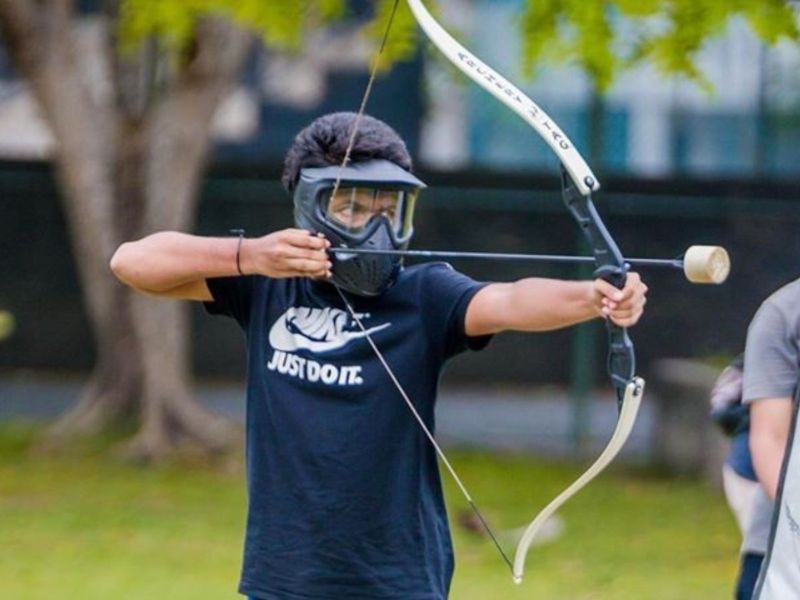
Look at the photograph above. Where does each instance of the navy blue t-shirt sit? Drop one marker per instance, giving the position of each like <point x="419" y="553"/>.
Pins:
<point x="345" y="499"/>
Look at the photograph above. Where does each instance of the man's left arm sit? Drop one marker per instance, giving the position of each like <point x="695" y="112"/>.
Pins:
<point x="538" y="304"/>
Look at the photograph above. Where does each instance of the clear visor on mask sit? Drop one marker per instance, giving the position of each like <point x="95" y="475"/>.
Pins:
<point x="352" y="209"/>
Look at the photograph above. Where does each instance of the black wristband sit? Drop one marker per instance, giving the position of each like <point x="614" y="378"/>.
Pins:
<point x="240" y="233"/>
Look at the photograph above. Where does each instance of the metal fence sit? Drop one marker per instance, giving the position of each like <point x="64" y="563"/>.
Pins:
<point x="483" y="211"/>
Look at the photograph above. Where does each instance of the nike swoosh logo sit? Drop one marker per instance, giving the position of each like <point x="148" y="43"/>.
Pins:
<point x="315" y="329"/>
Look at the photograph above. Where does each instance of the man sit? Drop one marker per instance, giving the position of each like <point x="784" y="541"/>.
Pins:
<point x="345" y="499"/>
<point x="770" y="383"/>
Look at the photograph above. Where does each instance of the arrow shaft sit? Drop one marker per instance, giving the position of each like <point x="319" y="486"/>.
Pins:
<point x="555" y="258"/>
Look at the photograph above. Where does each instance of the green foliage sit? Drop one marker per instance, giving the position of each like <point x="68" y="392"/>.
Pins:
<point x="401" y="42"/>
<point x="602" y="36"/>
<point x="588" y="38"/>
<point x="280" y="23"/>
<point x="771" y="20"/>
<point x="593" y="40"/>
<point x="606" y="36"/>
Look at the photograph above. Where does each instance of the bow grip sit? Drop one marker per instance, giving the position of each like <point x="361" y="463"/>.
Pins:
<point x="621" y="359"/>
<point x="613" y="274"/>
<point x="621" y="355"/>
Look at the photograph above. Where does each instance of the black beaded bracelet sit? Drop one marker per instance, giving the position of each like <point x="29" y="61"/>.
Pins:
<point x="240" y="233"/>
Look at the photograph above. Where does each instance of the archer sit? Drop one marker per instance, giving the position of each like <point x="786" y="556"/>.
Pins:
<point x="345" y="498"/>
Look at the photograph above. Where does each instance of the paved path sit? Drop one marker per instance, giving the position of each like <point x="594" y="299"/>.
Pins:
<point x="536" y="420"/>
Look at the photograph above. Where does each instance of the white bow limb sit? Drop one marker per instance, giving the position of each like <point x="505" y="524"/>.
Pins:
<point x="585" y="182"/>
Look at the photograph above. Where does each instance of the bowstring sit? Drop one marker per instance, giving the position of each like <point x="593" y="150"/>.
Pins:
<point x="424" y="427"/>
<point x="376" y="61"/>
<point x="387" y="368"/>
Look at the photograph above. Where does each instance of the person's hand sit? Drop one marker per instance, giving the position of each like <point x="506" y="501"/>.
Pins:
<point x="287" y="253"/>
<point x="623" y="306"/>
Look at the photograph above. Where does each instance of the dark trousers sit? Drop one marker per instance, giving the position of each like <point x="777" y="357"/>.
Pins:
<point x="748" y="575"/>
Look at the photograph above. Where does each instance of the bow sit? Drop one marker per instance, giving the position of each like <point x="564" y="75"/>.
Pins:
<point x="578" y="183"/>
<point x="701" y="264"/>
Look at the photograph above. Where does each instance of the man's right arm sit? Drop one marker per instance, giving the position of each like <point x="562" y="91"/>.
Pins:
<point x="770" y="420"/>
<point x="770" y="377"/>
<point x="170" y="264"/>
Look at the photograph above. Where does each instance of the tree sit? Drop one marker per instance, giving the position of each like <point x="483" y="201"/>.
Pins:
<point x="130" y="113"/>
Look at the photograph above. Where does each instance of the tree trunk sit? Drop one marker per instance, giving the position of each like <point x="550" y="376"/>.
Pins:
<point x="179" y="143"/>
<point x="124" y="175"/>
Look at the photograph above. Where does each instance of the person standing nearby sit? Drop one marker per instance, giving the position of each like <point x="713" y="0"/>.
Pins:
<point x="771" y="374"/>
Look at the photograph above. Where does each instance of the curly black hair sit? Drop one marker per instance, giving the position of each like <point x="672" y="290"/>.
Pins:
<point x="324" y="142"/>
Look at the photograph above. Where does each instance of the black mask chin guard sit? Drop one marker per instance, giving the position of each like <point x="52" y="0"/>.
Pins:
<point x="361" y="274"/>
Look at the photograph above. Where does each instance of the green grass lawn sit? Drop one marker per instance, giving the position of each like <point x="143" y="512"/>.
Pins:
<point x="83" y="525"/>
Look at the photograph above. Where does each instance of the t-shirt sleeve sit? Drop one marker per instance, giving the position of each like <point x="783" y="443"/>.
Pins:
<point x="770" y="360"/>
<point x="447" y="294"/>
<point x="233" y="297"/>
